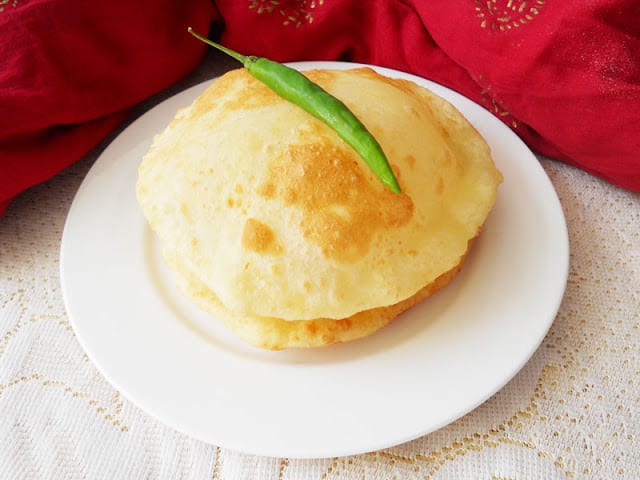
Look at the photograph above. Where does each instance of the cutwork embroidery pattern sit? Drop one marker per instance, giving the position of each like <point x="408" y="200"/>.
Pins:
<point x="7" y="3"/>
<point x="293" y="12"/>
<point x="501" y="16"/>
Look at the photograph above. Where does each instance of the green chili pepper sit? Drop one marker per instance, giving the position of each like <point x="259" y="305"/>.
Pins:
<point x="298" y="89"/>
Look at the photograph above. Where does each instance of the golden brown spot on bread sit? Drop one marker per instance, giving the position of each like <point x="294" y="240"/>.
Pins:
<point x="258" y="237"/>
<point x="343" y="209"/>
<point x="255" y="93"/>
<point x="415" y="112"/>
<point x="407" y="87"/>
<point x="367" y="72"/>
<point x="267" y="190"/>
<point x="411" y="161"/>
<point x="324" y="78"/>
<point x="396" y="171"/>
<point x="185" y="211"/>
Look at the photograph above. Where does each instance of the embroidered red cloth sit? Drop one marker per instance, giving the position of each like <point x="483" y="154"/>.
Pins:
<point x="564" y="75"/>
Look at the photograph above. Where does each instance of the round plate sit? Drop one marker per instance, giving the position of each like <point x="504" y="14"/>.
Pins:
<point x="426" y="369"/>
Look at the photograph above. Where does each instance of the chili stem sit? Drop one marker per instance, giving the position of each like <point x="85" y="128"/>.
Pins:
<point x="243" y="59"/>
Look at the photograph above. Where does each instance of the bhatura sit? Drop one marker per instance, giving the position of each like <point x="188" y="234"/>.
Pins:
<point x="277" y="227"/>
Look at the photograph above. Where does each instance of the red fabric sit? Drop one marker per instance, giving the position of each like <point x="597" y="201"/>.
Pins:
<point x="69" y="70"/>
<point x="564" y="75"/>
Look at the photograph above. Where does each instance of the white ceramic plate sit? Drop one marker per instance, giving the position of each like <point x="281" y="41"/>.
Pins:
<point x="432" y="365"/>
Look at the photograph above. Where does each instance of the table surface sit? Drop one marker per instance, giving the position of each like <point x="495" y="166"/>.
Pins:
<point x="573" y="411"/>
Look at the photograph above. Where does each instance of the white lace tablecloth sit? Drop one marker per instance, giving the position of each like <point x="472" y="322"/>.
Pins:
<point x="572" y="412"/>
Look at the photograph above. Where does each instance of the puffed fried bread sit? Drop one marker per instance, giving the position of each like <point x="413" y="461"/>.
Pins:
<point x="269" y="219"/>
